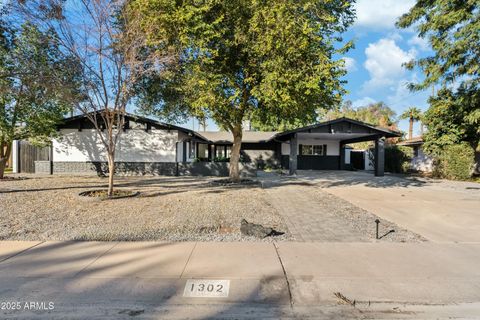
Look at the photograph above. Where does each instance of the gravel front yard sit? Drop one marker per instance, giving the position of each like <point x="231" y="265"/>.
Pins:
<point x="168" y="208"/>
<point x="181" y="209"/>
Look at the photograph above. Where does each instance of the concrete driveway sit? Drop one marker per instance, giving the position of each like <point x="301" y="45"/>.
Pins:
<point x="439" y="210"/>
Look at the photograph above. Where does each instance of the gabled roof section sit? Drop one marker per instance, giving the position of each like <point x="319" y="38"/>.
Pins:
<point x="330" y="125"/>
<point x="81" y="121"/>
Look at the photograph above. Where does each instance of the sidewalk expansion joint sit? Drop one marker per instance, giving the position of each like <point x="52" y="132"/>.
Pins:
<point x="285" y="275"/>
<point x="20" y="252"/>
<point x="96" y="258"/>
<point x="188" y="260"/>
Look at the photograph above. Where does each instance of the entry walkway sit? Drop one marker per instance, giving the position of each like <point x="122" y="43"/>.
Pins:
<point x="312" y="215"/>
<point x="118" y="280"/>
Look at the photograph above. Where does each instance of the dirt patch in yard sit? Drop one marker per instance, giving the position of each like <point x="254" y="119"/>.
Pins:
<point x="168" y="208"/>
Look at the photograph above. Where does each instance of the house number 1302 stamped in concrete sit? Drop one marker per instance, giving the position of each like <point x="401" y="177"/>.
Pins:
<point x="206" y="288"/>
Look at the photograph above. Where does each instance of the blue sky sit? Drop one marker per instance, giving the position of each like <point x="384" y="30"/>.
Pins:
<point x="374" y="66"/>
<point x="375" y="71"/>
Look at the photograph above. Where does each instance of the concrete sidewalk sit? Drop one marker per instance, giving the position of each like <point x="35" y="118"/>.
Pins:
<point x="269" y="280"/>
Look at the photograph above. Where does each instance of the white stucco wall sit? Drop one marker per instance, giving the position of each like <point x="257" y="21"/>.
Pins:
<point x="347" y="155"/>
<point x="180" y="151"/>
<point x="285" y="148"/>
<point x="333" y="146"/>
<point x="135" y="145"/>
<point x="422" y="162"/>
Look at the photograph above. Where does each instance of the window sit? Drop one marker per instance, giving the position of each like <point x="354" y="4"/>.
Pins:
<point x="191" y="150"/>
<point x="317" y="150"/>
<point x="222" y="152"/>
<point x="312" y="150"/>
<point x="202" y="151"/>
<point x="306" y="150"/>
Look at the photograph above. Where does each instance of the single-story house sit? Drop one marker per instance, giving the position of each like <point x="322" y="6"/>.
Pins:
<point x="420" y="161"/>
<point x="152" y="147"/>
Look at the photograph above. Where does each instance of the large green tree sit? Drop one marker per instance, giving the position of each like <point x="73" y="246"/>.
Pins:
<point x="378" y="114"/>
<point x="453" y="118"/>
<point x="34" y="78"/>
<point x="452" y="29"/>
<point x="242" y="59"/>
<point x="109" y="50"/>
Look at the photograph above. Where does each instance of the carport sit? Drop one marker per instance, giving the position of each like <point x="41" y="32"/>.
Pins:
<point x="322" y="146"/>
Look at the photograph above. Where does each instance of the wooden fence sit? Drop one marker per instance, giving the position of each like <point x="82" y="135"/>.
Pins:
<point x="28" y="154"/>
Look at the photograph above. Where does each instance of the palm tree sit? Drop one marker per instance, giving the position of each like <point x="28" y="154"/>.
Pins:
<point x="412" y="114"/>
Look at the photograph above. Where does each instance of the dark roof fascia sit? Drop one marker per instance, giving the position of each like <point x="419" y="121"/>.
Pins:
<point x="134" y="117"/>
<point x="385" y="132"/>
<point x="410" y="143"/>
<point x="362" y="139"/>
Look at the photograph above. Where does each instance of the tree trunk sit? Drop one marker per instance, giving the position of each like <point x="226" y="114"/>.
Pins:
<point x="5" y="151"/>
<point x="421" y="129"/>
<point x="476" y="166"/>
<point x="3" y="162"/>
<point x="111" y="172"/>
<point x="235" y="154"/>
<point x="410" y="129"/>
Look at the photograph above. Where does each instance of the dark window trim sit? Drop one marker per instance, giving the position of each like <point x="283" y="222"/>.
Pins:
<point x="323" y="151"/>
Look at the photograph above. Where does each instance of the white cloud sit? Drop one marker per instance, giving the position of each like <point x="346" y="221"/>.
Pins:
<point x="381" y="14"/>
<point x="363" y="102"/>
<point x="396" y="36"/>
<point x="350" y="64"/>
<point x="402" y="97"/>
<point x="384" y="63"/>
<point x="420" y="43"/>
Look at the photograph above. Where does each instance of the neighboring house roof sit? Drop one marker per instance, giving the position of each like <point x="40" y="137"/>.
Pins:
<point x="247" y="136"/>
<point x="416" y="141"/>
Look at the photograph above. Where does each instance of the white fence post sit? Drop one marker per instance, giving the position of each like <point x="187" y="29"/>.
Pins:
<point x="15" y="156"/>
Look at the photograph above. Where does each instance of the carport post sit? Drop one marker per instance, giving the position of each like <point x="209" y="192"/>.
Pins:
<point x="293" y="155"/>
<point x="341" y="165"/>
<point x="380" y="157"/>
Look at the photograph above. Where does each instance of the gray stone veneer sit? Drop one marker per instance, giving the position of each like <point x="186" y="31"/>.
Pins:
<point x="122" y="168"/>
<point x="148" y="168"/>
<point x="42" y="167"/>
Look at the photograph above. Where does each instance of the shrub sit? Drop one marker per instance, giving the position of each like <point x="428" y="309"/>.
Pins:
<point x="397" y="158"/>
<point x="456" y="162"/>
